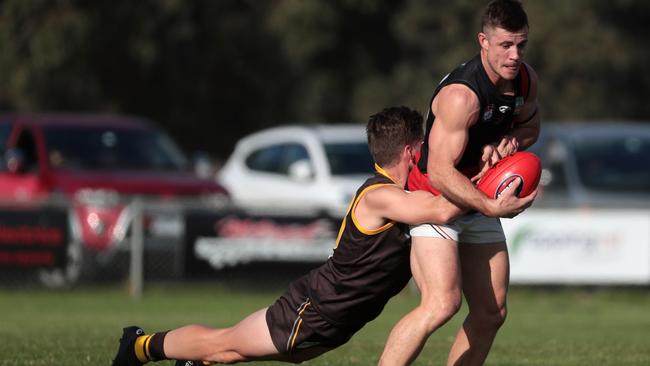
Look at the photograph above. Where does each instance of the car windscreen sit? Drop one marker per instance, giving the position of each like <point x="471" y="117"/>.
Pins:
<point x="615" y="163"/>
<point x="349" y="158"/>
<point x="107" y="148"/>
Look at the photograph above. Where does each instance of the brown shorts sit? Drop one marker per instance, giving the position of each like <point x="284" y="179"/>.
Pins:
<point x="295" y="325"/>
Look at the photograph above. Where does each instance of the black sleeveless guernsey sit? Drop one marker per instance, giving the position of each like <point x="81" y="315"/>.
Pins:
<point x="496" y="116"/>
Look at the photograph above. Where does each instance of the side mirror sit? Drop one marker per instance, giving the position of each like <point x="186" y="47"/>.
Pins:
<point x="301" y="170"/>
<point x="203" y="166"/>
<point x="15" y="160"/>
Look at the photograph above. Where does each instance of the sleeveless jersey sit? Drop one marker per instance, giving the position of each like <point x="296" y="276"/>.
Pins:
<point x="496" y="117"/>
<point x="367" y="268"/>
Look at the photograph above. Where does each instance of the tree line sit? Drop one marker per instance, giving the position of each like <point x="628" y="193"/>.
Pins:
<point x="212" y="71"/>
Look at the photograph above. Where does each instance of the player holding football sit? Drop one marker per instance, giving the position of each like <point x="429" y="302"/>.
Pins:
<point x="483" y="110"/>
<point x="323" y="309"/>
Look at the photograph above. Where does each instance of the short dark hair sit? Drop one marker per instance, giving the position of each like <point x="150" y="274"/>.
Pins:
<point x="506" y="14"/>
<point x="390" y="130"/>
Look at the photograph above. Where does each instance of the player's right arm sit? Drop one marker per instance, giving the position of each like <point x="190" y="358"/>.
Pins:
<point x="456" y="108"/>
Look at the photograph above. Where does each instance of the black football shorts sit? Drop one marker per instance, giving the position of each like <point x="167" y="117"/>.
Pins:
<point x="295" y="325"/>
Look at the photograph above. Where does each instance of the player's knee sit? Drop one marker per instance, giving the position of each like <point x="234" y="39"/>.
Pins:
<point x="491" y="319"/>
<point x="496" y="318"/>
<point x="450" y="306"/>
<point x="440" y="310"/>
<point x="501" y="317"/>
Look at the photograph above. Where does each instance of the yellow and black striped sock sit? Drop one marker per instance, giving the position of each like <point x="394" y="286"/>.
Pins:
<point x="149" y="347"/>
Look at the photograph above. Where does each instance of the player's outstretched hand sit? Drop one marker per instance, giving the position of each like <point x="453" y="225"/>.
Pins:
<point x="509" y="205"/>
<point x="507" y="146"/>
<point x="494" y="152"/>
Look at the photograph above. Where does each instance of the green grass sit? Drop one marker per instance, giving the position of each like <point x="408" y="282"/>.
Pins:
<point x="545" y="327"/>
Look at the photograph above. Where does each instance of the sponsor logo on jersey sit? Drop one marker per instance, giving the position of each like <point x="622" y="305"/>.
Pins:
<point x="489" y="111"/>
<point x="504" y="109"/>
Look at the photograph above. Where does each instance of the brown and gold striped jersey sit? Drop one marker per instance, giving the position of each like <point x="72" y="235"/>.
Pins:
<point x="366" y="269"/>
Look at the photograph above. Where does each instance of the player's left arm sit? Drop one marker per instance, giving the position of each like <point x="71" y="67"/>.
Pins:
<point x="527" y="123"/>
<point x="393" y="203"/>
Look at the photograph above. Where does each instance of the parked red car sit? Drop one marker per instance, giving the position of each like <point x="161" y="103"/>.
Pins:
<point x="96" y="164"/>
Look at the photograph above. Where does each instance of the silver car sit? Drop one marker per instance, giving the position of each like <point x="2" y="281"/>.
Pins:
<point x="594" y="165"/>
<point x="298" y="170"/>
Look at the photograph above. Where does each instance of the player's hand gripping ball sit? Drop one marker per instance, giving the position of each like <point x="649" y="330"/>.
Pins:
<point x="522" y="164"/>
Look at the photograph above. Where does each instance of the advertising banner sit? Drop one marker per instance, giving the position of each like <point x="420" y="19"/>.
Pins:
<point x="579" y="247"/>
<point x="35" y="237"/>
<point x="545" y="246"/>
<point x="229" y="238"/>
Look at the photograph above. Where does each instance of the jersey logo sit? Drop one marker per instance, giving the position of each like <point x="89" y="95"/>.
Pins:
<point x="504" y="109"/>
<point x="489" y="110"/>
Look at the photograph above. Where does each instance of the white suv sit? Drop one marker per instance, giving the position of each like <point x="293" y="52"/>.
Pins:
<point x="298" y="170"/>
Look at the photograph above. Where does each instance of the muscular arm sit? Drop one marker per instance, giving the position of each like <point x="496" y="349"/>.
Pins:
<point x="527" y="123"/>
<point x="418" y="207"/>
<point x="393" y="203"/>
<point x="456" y="108"/>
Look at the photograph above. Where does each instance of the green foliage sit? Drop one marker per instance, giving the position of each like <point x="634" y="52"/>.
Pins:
<point x="42" y="50"/>
<point x="211" y="71"/>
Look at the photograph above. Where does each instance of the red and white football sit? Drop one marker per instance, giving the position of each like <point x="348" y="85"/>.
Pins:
<point x="522" y="164"/>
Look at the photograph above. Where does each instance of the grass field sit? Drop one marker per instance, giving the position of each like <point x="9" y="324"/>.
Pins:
<point x="545" y="327"/>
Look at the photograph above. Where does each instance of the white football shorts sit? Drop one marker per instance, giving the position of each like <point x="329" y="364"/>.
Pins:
<point x="472" y="229"/>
